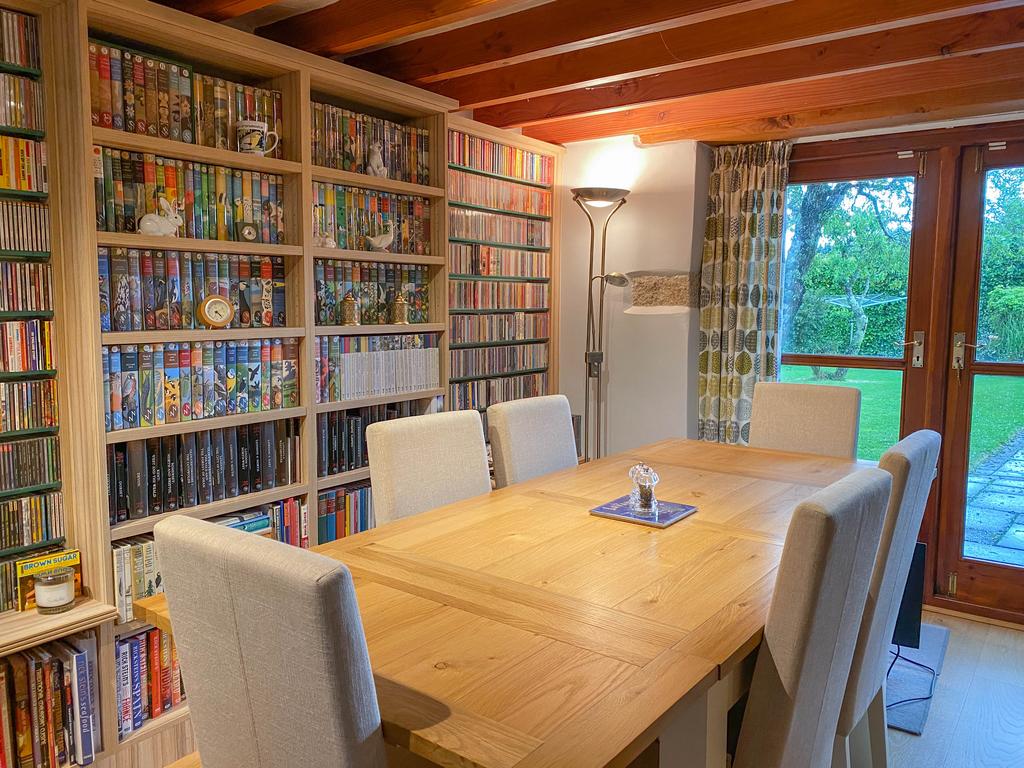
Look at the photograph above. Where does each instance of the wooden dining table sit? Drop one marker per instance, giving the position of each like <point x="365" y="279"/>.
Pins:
<point x="517" y="630"/>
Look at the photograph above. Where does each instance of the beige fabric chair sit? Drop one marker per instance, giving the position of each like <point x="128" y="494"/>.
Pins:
<point x="861" y="736"/>
<point x="805" y="418"/>
<point x="423" y="462"/>
<point x="820" y="591"/>
<point x="272" y="650"/>
<point x="530" y="437"/>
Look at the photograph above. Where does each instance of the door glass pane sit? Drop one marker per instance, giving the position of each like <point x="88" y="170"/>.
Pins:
<point x="845" y="267"/>
<point x="1001" y="294"/>
<point x="881" y="394"/>
<point x="994" y="528"/>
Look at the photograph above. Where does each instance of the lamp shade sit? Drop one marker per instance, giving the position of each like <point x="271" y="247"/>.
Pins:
<point x="600" y="197"/>
<point x="662" y="292"/>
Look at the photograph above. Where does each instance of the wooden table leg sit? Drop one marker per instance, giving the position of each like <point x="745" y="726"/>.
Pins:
<point x="697" y="738"/>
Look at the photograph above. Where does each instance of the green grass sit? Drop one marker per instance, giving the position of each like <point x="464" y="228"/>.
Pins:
<point x="998" y="409"/>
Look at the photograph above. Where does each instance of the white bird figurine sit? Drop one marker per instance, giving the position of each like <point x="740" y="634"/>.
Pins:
<point x="375" y="162"/>
<point x="382" y="241"/>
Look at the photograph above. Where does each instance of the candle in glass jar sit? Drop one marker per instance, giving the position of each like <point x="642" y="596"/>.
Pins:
<point x="55" y="590"/>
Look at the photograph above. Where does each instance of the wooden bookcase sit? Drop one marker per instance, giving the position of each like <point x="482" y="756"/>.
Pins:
<point x="66" y="27"/>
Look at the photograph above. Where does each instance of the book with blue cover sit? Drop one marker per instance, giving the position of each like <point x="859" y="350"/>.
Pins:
<point x="669" y="512"/>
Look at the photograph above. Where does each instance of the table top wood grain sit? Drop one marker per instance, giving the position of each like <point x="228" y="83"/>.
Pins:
<point x="516" y="630"/>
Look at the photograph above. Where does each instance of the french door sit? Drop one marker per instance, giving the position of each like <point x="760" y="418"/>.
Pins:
<point x="981" y="516"/>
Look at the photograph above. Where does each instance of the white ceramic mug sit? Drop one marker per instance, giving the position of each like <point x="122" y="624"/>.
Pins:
<point x="251" y="137"/>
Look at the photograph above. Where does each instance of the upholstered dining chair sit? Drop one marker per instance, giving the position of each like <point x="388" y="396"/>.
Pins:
<point x="272" y="650"/>
<point x="805" y="418"/>
<point x="422" y="462"/>
<point x="861" y="735"/>
<point x="530" y="437"/>
<point x="820" y="590"/>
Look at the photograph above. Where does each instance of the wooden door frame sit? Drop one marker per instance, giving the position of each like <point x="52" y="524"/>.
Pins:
<point x="931" y="277"/>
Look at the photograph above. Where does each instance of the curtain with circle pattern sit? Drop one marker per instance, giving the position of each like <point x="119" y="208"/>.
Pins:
<point x="740" y="283"/>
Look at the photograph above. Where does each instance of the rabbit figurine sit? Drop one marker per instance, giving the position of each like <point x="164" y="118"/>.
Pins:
<point x="165" y="224"/>
<point x="375" y="163"/>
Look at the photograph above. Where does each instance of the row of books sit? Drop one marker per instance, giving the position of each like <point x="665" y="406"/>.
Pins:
<point x="137" y="568"/>
<point x="481" y="294"/>
<point x="351" y="367"/>
<point x="212" y="202"/>
<point x="26" y="346"/>
<point x="23" y="165"/>
<point x="25" y="463"/>
<point x="484" y="392"/>
<point x="21" y="103"/>
<point x="148" y="679"/>
<point x="351" y="141"/>
<point x="150" y="477"/>
<point x="468" y="224"/>
<point x="137" y="92"/>
<point x="341" y="435"/>
<point x="369" y="220"/>
<point x="19" y="39"/>
<point x="161" y="290"/>
<point x="25" y="286"/>
<point x="507" y="326"/>
<point x="24" y="226"/>
<point x="28" y="405"/>
<point x="50" y="705"/>
<point x="486" y="192"/>
<point x="343" y="511"/>
<point x="490" y="156"/>
<point x="477" y="259"/>
<point x="153" y="384"/>
<point x="31" y="520"/>
<point x="490" y="360"/>
<point x="374" y="286"/>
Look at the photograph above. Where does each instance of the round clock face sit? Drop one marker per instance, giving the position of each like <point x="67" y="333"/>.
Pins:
<point x="216" y="311"/>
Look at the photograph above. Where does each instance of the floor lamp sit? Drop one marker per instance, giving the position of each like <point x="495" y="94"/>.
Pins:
<point x="589" y="199"/>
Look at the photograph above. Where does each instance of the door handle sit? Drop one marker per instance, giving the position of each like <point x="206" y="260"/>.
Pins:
<point x="917" y="356"/>
<point x="960" y="346"/>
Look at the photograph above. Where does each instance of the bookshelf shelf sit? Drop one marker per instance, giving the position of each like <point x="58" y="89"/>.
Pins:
<point x="501" y="278"/>
<point x="23" y="194"/>
<point x="364" y="402"/>
<point x="27" y="490"/>
<point x="342" y="254"/>
<point x="375" y="330"/>
<point x="22" y="133"/>
<point x="205" y="511"/>
<point x="352" y="179"/>
<point x="502" y="211"/>
<point x="108" y="137"/>
<point x="498" y="176"/>
<point x="218" y="422"/>
<point x="29" y="314"/>
<point x="14" y="69"/>
<point x="203" y="334"/>
<point x="505" y="343"/>
<point x="505" y="311"/>
<point x="31" y="547"/>
<point x="23" y="629"/>
<point x="25" y="375"/>
<point x="522" y="372"/>
<point x="132" y="240"/>
<point x="23" y="433"/>
<point x="6" y="255"/>
<point x="352" y="476"/>
<point x="495" y="244"/>
<point x="153" y="726"/>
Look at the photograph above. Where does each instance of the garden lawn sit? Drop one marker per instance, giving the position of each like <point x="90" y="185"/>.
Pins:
<point x="998" y="414"/>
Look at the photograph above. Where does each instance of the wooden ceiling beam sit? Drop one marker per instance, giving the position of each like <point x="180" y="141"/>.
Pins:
<point x="219" y="10"/>
<point x="757" y="102"/>
<point x="987" y="100"/>
<point x="557" y="26"/>
<point x="876" y="50"/>
<point x="799" y="22"/>
<point x="347" y="26"/>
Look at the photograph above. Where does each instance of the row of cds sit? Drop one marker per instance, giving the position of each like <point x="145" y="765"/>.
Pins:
<point x="486" y="361"/>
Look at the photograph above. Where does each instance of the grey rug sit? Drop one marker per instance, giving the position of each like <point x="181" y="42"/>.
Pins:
<point x="907" y="681"/>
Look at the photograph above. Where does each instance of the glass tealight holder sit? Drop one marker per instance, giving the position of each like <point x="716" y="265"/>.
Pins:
<point x="642" y="500"/>
<point x="55" y="591"/>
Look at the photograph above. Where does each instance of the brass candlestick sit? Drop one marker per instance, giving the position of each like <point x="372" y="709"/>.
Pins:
<point x="349" y="310"/>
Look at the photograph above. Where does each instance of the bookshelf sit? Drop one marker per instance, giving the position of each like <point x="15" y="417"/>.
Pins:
<point x="73" y="244"/>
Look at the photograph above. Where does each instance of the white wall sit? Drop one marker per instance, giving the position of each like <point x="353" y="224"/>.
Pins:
<point x="650" y="363"/>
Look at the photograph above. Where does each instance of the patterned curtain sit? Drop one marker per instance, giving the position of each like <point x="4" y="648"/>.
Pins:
<point x="740" y="282"/>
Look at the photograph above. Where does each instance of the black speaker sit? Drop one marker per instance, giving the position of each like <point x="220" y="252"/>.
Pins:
<point x="908" y="623"/>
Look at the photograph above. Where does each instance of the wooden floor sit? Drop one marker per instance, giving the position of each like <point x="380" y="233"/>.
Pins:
<point x="977" y="716"/>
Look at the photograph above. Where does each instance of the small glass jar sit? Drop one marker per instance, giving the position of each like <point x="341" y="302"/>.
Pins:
<point x="55" y="591"/>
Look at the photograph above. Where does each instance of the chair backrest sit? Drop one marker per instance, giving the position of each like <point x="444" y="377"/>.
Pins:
<point x="805" y="418"/>
<point x="272" y="651"/>
<point x="423" y="462"/>
<point x="820" y="590"/>
<point x="530" y="437"/>
<point x="911" y="462"/>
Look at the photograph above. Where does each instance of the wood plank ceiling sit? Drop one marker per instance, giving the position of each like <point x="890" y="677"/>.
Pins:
<point x="713" y="70"/>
